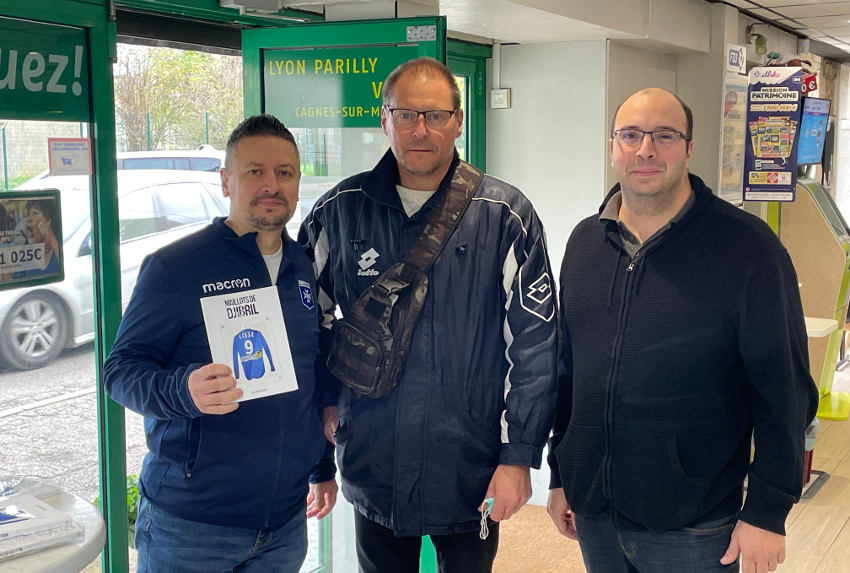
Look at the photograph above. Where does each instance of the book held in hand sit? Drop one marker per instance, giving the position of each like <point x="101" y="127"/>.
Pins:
<point x="245" y="330"/>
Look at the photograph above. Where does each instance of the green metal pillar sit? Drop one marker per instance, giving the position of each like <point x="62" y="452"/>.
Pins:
<point x="107" y="273"/>
<point x="5" y="162"/>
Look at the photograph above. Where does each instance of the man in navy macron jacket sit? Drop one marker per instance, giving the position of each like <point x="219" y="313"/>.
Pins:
<point x="469" y="415"/>
<point x="683" y="343"/>
<point x="224" y="483"/>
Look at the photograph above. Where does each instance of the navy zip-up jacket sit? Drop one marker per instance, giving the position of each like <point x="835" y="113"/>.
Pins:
<point x="478" y="388"/>
<point x="248" y="468"/>
<point x="670" y="361"/>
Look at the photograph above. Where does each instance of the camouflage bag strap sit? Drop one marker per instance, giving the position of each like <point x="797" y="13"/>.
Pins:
<point x="445" y="217"/>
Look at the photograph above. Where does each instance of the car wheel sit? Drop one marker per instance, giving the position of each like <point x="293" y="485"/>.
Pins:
<point x="35" y="331"/>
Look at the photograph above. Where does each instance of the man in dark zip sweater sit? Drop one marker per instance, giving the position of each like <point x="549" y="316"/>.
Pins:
<point x="683" y="339"/>
<point x="226" y="486"/>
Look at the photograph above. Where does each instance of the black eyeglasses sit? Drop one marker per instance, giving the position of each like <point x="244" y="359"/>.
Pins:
<point x="633" y="138"/>
<point x="435" y="118"/>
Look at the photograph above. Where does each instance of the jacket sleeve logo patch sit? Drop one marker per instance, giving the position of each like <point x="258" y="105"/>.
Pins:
<point x="306" y="295"/>
<point x="540" y="290"/>
<point x="537" y="297"/>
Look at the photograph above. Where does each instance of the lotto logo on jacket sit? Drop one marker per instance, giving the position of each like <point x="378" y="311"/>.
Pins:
<point x="249" y="348"/>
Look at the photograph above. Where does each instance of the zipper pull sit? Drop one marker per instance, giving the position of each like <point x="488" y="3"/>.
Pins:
<point x="632" y="262"/>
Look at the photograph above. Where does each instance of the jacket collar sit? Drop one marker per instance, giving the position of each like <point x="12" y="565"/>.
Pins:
<point x="380" y="183"/>
<point x="248" y="241"/>
<point x="703" y="195"/>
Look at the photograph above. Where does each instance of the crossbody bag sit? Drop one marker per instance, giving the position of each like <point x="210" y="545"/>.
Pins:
<point x="370" y="345"/>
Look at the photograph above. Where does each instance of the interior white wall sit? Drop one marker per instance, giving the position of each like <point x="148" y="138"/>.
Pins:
<point x="700" y="84"/>
<point x="551" y="142"/>
<point x="631" y="68"/>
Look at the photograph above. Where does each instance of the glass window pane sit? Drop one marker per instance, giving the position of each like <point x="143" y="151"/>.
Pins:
<point x="181" y="204"/>
<point x="461" y="142"/>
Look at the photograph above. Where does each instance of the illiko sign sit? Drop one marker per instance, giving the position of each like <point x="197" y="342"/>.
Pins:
<point x="338" y="87"/>
<point x="43" y="71"/>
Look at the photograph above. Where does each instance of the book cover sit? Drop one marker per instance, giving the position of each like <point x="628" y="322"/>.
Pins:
<point x="24" y="514"/>
<point x="245" y="330"/>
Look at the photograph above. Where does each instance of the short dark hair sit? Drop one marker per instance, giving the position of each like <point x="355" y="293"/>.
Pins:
<point x="689" y="115"/>
<point x="424" y="66"/>
<point x="254" y="126"/>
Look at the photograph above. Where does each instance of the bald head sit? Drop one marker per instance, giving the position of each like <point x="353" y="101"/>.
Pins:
<point x="651" y="98"/>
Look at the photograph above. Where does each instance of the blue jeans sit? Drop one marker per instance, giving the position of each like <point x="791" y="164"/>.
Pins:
<point x="170" y="544"/>
<point x="695" y="549"/>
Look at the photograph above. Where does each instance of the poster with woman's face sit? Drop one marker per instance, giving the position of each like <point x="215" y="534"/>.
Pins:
<point x="30" y="238"/>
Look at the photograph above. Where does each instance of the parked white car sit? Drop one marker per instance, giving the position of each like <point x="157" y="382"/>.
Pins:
<point x="205" y="158"/>
<point x="156" y="207"/>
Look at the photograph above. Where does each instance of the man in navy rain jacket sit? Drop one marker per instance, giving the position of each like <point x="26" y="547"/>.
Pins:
<point x="469" y="416"/>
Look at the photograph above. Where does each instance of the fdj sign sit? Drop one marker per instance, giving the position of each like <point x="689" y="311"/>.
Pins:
<point x="43" y="71"/>
<point x="329" y="87"/>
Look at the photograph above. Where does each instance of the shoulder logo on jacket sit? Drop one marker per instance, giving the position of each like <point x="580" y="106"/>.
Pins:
<point x="306" y="295"/>
<point x="536" y="298"/>
<point x="540" y="290"/>
<point x="227" y="285"/>
<point x="367" y="260"/>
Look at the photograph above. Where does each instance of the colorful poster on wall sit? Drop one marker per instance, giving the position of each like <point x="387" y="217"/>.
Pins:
<point x="30" y="238"/>
<point x="733" y="137"/>
<point x="773" y="117"/>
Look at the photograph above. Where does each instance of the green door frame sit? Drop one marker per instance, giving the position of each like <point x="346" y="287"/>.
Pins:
<point x="470" y="60"/>
<point x="100" y="33"/>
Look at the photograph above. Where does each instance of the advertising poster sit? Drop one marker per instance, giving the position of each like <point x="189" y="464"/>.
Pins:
<point x="69" y="156"/>
<point x="734" y="137"/>
<point x="30" y="238"/>
<point x="773" y="118"/>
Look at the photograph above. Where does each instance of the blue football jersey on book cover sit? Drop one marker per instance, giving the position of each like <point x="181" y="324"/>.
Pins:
<point x="249" y="348"/>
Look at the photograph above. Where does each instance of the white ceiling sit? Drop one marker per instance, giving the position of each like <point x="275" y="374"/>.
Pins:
<point x="507" y="21"/>
<point x="826" y="21"/>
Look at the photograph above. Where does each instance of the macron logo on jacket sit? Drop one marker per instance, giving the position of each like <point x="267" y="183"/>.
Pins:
<point x="227" y="285"/>
<point x="249" y="348"/>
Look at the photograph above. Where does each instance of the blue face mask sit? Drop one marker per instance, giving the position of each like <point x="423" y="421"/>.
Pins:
<point x="485" y="508"/>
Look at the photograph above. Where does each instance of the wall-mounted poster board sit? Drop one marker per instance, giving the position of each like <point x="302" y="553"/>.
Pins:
<point x="30" y="239"/>
<point x="773" y="118"/>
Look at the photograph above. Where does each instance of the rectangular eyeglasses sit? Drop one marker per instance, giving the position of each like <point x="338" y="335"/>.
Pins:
<point x="435" y="118"/>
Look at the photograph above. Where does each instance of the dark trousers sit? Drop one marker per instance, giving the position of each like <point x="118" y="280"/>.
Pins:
<point x="380" y="551"/>
<point x="695" y="549"/>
